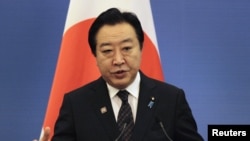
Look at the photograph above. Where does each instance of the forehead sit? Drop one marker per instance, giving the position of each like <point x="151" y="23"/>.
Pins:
<point x="119" y="30"/>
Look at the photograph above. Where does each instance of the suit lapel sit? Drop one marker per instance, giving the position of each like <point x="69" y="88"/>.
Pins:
<point x="104" y="109"/>
<point x="146" y="107"/>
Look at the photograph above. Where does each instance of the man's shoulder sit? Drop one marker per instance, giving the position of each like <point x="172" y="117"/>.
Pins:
<point x="159" y="83"/>
<point x="87" y="88"/>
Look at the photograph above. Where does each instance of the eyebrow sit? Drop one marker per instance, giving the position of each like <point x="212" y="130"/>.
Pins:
<point x="123" y="41"/>
<point x="104" y="44"/>
<point x="127" y="40"/>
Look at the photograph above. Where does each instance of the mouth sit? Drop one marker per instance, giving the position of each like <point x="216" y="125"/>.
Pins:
<point x="119" y="73"/>
<point x="119" y="70"/>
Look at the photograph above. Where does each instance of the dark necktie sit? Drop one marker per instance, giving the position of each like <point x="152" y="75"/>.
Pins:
<point x="125" y="118"/>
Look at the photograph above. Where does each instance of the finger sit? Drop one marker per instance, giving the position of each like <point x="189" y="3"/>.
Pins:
<point x="46" y="134"/>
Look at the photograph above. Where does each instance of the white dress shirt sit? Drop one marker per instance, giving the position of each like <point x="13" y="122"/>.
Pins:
<point x="133" y="89"/>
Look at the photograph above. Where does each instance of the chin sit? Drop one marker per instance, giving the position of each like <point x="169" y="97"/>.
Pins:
<point x="120" y="85"/>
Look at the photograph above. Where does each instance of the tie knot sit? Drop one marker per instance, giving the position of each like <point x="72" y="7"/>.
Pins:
<point x="123" y="95"/>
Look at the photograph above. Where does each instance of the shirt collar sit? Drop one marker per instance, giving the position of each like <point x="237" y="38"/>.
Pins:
<point x="133" y="88"/>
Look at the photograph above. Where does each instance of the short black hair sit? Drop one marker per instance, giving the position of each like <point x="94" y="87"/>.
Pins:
<point x="114" y="16"/>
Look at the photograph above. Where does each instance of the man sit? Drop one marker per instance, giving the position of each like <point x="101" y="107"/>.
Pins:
<point x="155" y="110"/>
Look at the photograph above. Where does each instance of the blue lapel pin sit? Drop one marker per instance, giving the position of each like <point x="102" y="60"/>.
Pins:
<point x="151" y="102"/>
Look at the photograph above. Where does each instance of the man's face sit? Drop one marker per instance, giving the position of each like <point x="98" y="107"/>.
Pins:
<point x="118" y="54"/>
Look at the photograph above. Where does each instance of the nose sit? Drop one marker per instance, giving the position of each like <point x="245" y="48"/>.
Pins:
<point x="118" y="58"/>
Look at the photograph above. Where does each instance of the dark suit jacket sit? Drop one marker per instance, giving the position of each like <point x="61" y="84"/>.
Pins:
<point x="81" y="119"/>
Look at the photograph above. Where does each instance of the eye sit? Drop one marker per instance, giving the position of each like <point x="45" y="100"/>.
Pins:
<point x="106" y="51"/>
<point x="127" y="48"/>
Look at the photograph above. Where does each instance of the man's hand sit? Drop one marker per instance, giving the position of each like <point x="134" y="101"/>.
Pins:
<point x="46" y="135"/>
